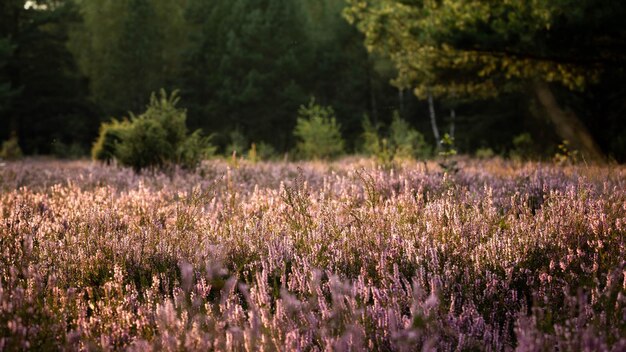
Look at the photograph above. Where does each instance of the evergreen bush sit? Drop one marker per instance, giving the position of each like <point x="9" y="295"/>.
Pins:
<point x="401" y="141"/>
<point x="524" y="148"/>
<point x="407" y="142"/>
<point x="109" y="136"/>
<point x="318" y="133"/>
<point x="194" y="149"/>
<point x="238" y="143"/>
<point x="156" y="138"/>
<point x="484" y="153"/>
<point x="372" y="142"/>
<point x="11" y="149"/>
<point x="144" y="145"/>
<point x="67" y="151"/>
<point x="265" y="151"/>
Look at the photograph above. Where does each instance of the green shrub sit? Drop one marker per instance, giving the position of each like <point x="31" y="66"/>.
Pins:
<point x="67" y="151"/>
<point x="11" y="148"/>
<point x="566" y="155"/>
<point x="318" y="132"/>
<point x="162" y="109"/>
<point x="194" y="149"/>
<point x="260" y="151"/>
<point x="238" y="143"/>
<point x="252" y="154"/>
<point x="109" y="136"/>
<point x="156" y="138"/>
<point x="484" y="153"/>
<point x="265" y="151"/>
<point x="447" y="153"/>
<point x="144" y="144"/>
<point x="407" y="142"/>
<point x="372" y="142"/>
<point x="401" y="142"/>
<point x="523" y="147"/>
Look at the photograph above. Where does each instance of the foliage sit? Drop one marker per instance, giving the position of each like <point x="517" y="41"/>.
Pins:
<point x="523" y="147"/>
<point x="405" y="141"/>
<point x="483" y="49"/>
<point x="401" y="142"/>
<point x="104" y="148"/>
<point x="265" y="151"/>
<point x="246" y="64"/>
<point x="341" y="73"/>
<point x="67" y="151"/>
<point x="128" y="49"/>
<point x="260" y="152"/>
<point x="447" y="153"/>
<point x="318" y="133"/>
<point x="156" y="138"/>
<point x="193" y="149"/>
<point x="11" y="149"/>
<point x="462" y="48"/>
<point x="238" y="143"/>
<point x="484" y="153"/>
<point x="37" y="102"/>
<point x="566" y="155"/>
<point x="252" y="154"/>
<point x="249" y="64"/>
<point x="372" y="143"/>
<point x="144" y="145"/>
<point x="245" y="67"/>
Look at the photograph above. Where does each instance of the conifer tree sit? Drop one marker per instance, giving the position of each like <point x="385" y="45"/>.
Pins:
<point x="482" y="48"/>
<point x="246" y="66"/>
<point x="42" y="94"/>
<point x="129" y="48"/>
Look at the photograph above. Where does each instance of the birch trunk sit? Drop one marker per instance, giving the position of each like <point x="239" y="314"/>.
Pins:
<point x="433" y="120"/>
<point x="452" y="119"/>
<point x="401" y="101"/>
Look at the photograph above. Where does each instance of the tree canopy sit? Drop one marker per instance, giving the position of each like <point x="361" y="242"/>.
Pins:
<point x="478" y="49"/>
<point x="493" y="70"/>
<point x="43" y="96"/>
<point x="128" y="49"/>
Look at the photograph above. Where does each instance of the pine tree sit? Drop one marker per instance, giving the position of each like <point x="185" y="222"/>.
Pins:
<point x="482" y="48"/>
<point x="129" y="48"/>
<point x="47" y="104"/>
<point x="246" y="67"/>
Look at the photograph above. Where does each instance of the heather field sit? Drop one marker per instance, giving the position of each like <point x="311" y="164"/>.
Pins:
<point x="313" y="257"/>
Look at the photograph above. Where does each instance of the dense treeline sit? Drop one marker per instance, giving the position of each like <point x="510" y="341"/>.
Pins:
<point x="245" y="67"/>
<point x="44" y="98"/>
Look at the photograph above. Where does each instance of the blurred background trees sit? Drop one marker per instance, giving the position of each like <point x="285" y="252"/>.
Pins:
<point x="480" y="50"/>
<point x="546" y="70"/>
<point x="44" y="96"/>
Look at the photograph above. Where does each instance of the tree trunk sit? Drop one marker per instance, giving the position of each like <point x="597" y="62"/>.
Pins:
<point x="568" y="126"/>
<point x="433" y="120"/>
<point x="372" y="93"/>
<point x="452" y="119"/>
<point x="401" y="101"/>
<point x="13" y="67"/>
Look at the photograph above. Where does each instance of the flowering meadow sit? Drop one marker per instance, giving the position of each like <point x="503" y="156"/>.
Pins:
<point x="342" y="256"/>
